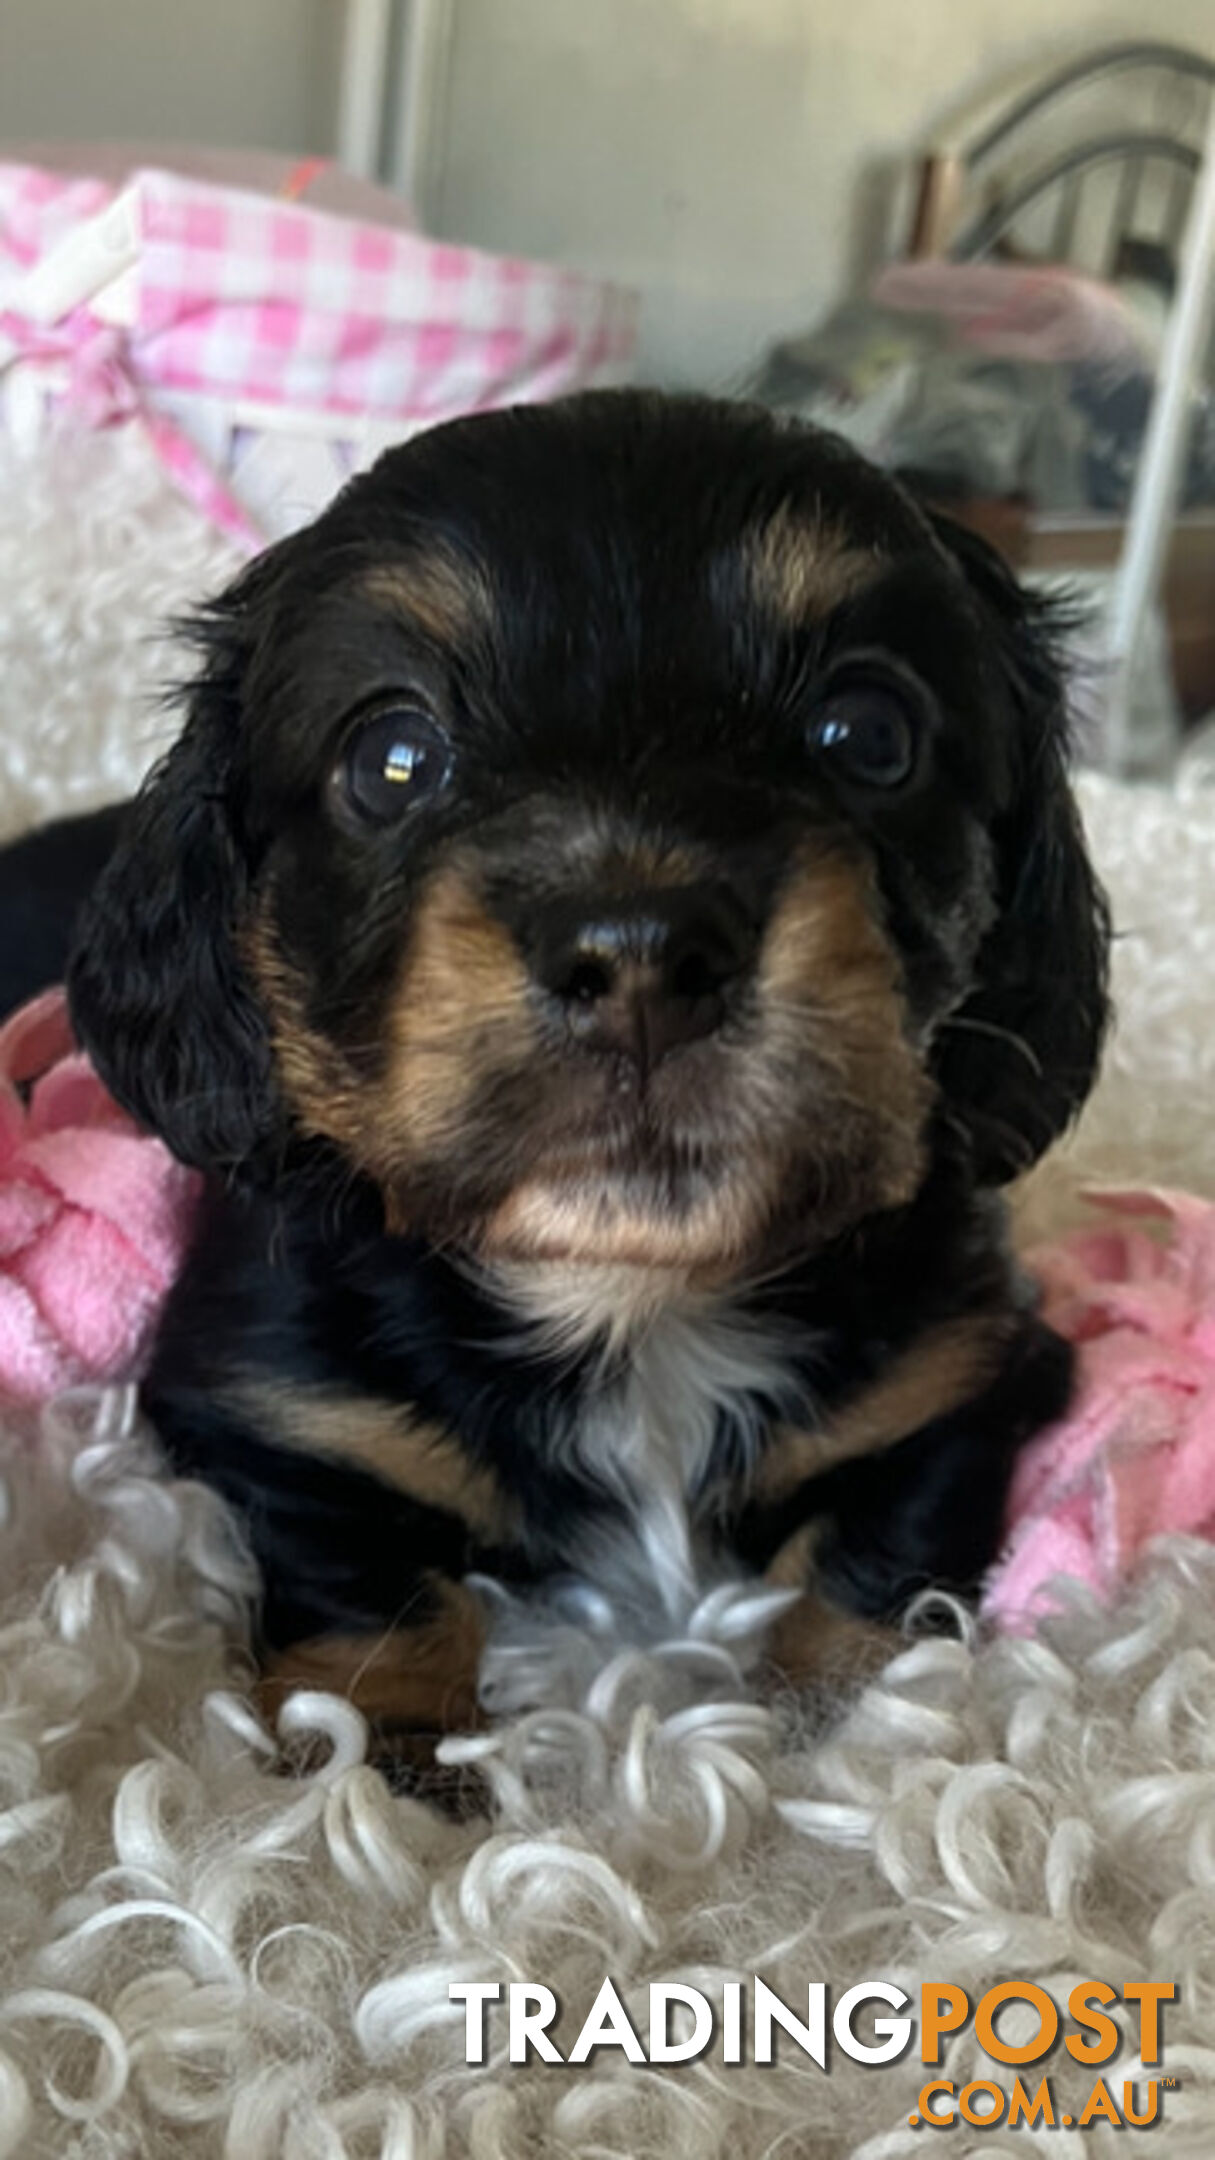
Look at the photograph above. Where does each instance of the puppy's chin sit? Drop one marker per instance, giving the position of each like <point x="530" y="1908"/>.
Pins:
<point x="752" y="1216"/>
<point x="707" y="1235"/>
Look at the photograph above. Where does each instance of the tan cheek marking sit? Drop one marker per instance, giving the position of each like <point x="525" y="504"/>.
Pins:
<point x="423" y="1677"/>
<point x="438" y="592"/>
<point x="831" y="981"/>
<point x="462" y="1010"/>
<point x="388" y="1439"/>
<point x="459" y="1013"/>
<point x="314" y="1077"/>
<point x="799" y="568"/>
<point x="947" y="1367"/>
<point x="825" y="942"/>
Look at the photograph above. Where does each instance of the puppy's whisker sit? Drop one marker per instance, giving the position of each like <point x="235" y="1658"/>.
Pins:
<point x="959" y="1023"/>
<point x="376" y="1644"/>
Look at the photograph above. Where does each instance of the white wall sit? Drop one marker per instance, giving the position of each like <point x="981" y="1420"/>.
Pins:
<point x="732" y="157"/>
<point x="231" y="72"/>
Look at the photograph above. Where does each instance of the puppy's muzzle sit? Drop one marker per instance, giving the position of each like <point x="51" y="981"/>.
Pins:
<point x="639" y="977"/>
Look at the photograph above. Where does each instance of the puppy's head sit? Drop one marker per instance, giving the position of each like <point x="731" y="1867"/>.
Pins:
<point x="626" y="831"/>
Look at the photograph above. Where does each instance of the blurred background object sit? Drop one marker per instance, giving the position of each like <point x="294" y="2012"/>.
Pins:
<point x="742" y="162"/>
<point x="958" y="234"/>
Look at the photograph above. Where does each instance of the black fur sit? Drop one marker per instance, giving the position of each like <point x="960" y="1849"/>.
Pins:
<point x="1019" y="1059"/>
<point x="174" y="1029"/>
<point x="928" y="1512"/>
<point x="44" y="879"/>
<point x="624" y="659"/>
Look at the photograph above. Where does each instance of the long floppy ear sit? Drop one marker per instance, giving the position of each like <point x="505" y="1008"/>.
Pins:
<point x="1017" y="1060"/>
<point x="157" y="992"/>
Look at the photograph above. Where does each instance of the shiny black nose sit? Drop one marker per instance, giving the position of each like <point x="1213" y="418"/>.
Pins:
<point x="640" y="977"/>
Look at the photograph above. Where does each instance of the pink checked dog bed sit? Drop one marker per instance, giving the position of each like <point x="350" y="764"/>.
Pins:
<point x="265" y="346"/>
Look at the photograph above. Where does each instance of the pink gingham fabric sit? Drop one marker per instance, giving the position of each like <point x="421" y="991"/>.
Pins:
<point x="255" y="300"/>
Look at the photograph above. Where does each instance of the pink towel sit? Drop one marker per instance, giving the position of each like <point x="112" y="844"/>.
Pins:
<point x="1136" y="1454"/>
<point x="94" y="1216"/>
<point x="1024" y="311"/>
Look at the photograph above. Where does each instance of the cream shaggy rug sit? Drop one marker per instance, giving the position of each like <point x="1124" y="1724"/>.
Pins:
<point x="200" y="1958"/>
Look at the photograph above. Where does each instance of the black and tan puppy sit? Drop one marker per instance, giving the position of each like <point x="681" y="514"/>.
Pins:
<point x="614" y="917"/>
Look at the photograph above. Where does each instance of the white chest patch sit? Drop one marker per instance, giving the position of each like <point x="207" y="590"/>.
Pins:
<point x="670" y="1370"/>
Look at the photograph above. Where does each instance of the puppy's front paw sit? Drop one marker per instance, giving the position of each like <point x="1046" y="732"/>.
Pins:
<point x="412" y="1684"/>
<point x="818" y="1643"/>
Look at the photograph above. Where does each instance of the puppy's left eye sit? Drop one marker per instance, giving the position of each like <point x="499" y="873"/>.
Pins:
<point x="869" y="732"/>
<point x="397" y="757"/>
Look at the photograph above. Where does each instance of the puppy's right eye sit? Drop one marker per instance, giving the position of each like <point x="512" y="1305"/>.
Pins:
<point x="395" y="758"/>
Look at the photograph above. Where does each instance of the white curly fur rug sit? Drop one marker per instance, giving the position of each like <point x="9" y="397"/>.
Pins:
<point x="200" y="1958"/>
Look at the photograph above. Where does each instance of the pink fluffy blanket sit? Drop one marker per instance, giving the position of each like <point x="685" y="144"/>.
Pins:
<point x="1135" y="1455"/>
<point x="94" y="1218"/>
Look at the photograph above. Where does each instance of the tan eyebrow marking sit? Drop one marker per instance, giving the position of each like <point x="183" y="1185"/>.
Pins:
<point x="800" y="567"/>
<point x="443" y="594"/>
